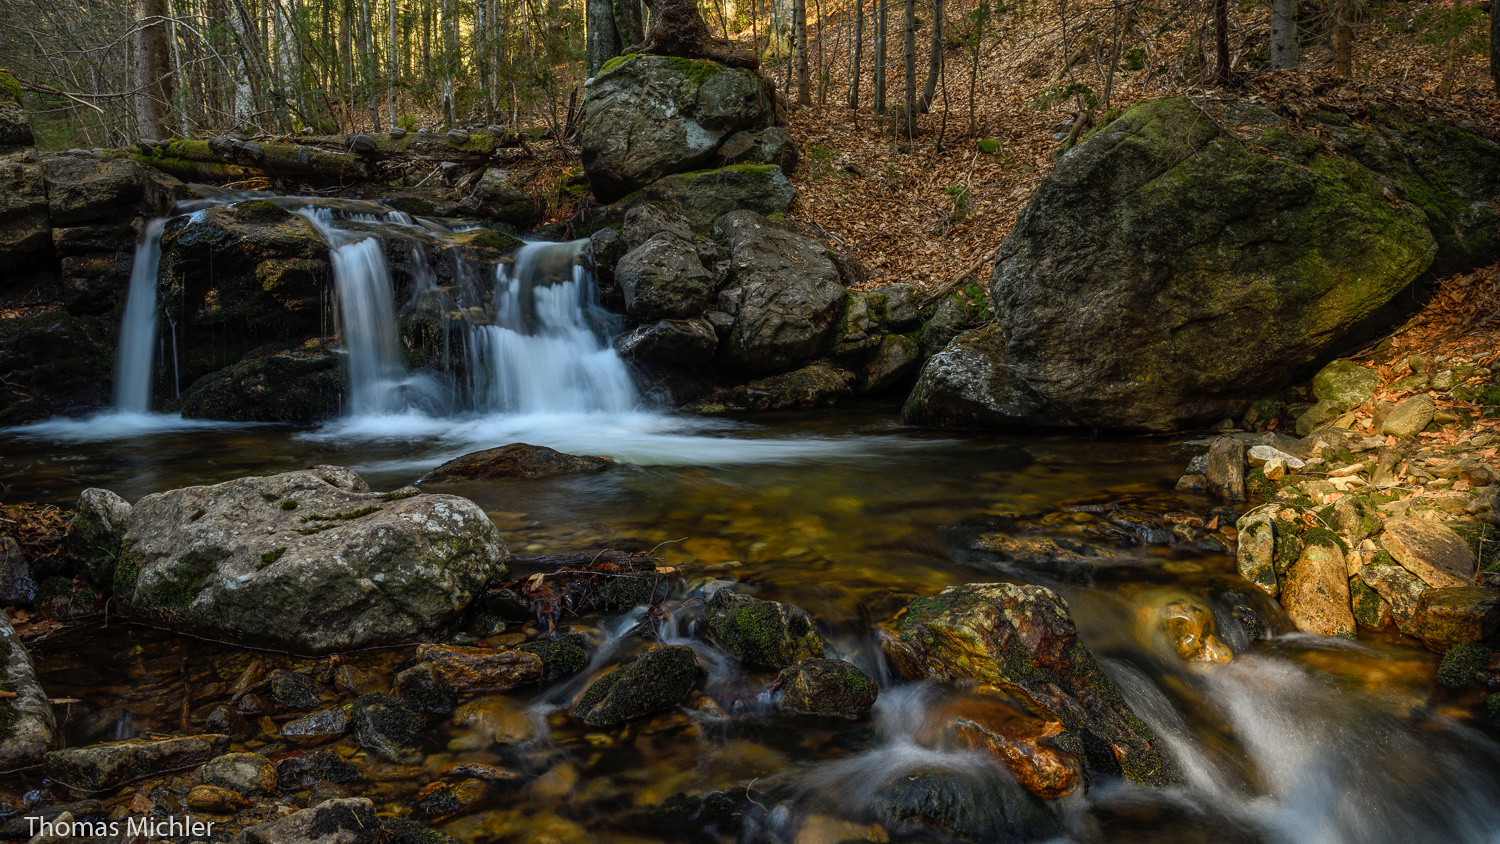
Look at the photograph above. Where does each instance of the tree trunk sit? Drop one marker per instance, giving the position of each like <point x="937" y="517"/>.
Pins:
<point x="602" y="40"/>
<point x="1343" y="38"/>
<point x="1450" y="66"/>
<point x="799" y="24"/>
<point x="1221" y="41"/>
<point x="677" y="29"/>
<point x="881" y="10"/>
<point x="152" y="78"/>
<point x="1283" y="34"/>
<point x="935" y="61"/>
<point x="392" y="66"/>
<point x="1495" y="48"/>
<point x="370" y="67"/>
<point x="858" y="48"/>
<point x="909" y="54"/>
<point x="450" y="59"/>
<point x="980" y="17"/>
<point x="630" y="22"/>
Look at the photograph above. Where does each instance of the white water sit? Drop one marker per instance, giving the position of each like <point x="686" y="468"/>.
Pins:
<point x="137" y="350"/>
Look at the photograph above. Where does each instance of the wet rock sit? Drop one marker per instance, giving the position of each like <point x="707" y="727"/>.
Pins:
<point x="495" y="718"/>
<point x="251" y="704"/>
<point x="706" y="195"/>
<point x="494" y="197"/>
<point x="387" y="725"/>
<point x="658" y="678"/>
<point x="1399" y="588"/>
<point x="1315" y="591"/>
<point x="784" y="294"/>
<point x="225" y="720"/>
<point x="250" y="774"/>
<point x="763" y="633"/>
<point x="115" y="763"/>
<point x="356" y="681"/>
<point x="21" y="829"/>
<point x="972" y="383"/>
<point x="1462" y="664"/>
<point x="466" y="669"/>
<point x="1023" y="637"/>
<point x="831" y="688"/>
<point x="559" y="658"/>
<point x="817" y="385"/>
<point x="424" y="689"/>
<point x="97" y="530"/>
<point x="607" y="247"/>
<point x="977" y="806"/>
<point x="648" y="116"/>
<point x="1409" y="417"/>
<point x="408" y="831"/>
<point x="674" y="342"/>
<point x="1430" y="550"/>
<point x="517" y="460"/>
<point x="987" y="719"/>
<point x="1226" y="468"/>
<point x="1187" y="625"/>
<point x="214" y="800"/>
<point x="297" y="691"/>
<point x="1371" y="611"/>
<point x="892" y="360"/>
<point x="664" y="278"/>
<point x="17" y="586"/>
<point x="1448" y="617"/>
<point x="1255" y="554"/>
<point x="350" y="821"/>
<point x="29" y="728"/>
<point x="441" y="800"/>
<point x="316" y="727"/>
<point x="309" y="769"/>
<point x="1345" y="384"/>
<point x="1142" y="526"/>
<point x="302" y="385"/>
<point x="309" y="561"/>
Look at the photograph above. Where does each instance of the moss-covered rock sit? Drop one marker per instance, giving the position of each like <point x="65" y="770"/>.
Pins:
<point x="706" y="195"/>
<point x="559" y="658"/>
<point x="656" y="679"/>
<point x="302" y="385"/>
<point x="387" y="725"/>
<point x="769" y="634"/>
<point x="818" y="385"/>
<point x="1461" y="664"/>
<point x="1022" y="639"/>
<point x="1345" y="384"/>
<point x="1215" y="249"/>
<point x="832" y="688"/>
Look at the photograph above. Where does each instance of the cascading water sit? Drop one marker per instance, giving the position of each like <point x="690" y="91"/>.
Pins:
<point x="548" y="351"/>
<point x="137" y="351"/>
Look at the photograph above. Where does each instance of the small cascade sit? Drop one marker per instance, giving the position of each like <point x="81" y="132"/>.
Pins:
<point x="133" y="363"/>
<point x="549" y="350"/>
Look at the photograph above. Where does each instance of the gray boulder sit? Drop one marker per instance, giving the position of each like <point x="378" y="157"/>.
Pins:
<point x="97" y="530"/>
<point x="784" y="295"/>
<point x="115" y="763"/>
<point x="85" y="189"/>
<point x="664" y="278"/>
<point x="768" y="146"/>
<point x="25" y="228"/>
<point x="494" y="197"/>
<point x="309" y="561"/>
<point x="706" y="195"/>
<point x="673" y="342"/>
<point x="350" y="820"/>
<point x="30" y="730"/>
<point x="646" y="117"/>
<point x="972" y="383"/>
<point x="1185" y="258"/>
<point x="648" y="219"/>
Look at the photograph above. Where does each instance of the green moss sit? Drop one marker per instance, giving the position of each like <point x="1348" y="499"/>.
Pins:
<point x="9" y="84"/>
<point x="127" y="572"/>
<point x="341" y="517"/>
<point x="698" y="71"/>
<point x="399" y="494"/>
<point x="271" y="556"/>
<point x="1365" y="602"/>
<point x="618" y="62"/>
<point x="197" y="514"/>
<point x="559" y="659"/>
<point x="1461" y="664"/>
<point x="289" y="504"/>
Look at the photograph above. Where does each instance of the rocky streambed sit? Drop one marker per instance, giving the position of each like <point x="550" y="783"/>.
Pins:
<point x="909" y="637"/>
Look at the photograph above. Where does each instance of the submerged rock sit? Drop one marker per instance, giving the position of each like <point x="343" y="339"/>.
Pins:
<point x="27" y="726"/>
<point x="1023" y="638"/>
<point x="559" y="658"/>
<point x="347" y="821"/>
<point x="250" y="774"/>
<point x="309" y="769"/>
<point x="316" y="727"/>
<point x="978" y="806"/>
<point x="466" y="669"/>
<point x="1187" y="624"/>
<point x="656" y="679"/>
<point x="1448" y="617"/>
<point x="761" y="633"/>
<point x="517" y="460"/>
<point x="832" y="688"/>
<point x="310" y="561"/>
<point x="114" y="763"/>
<point x="387" y="725"/>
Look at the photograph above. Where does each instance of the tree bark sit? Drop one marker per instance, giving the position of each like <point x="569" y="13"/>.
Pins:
<point x="858" y="52"/>
<point x="882" y="9"/>
<point x="1495" y="48"/>
<point x="1221" y="41"/>
<point x="602" y="40"/>
<point x="1343" y="38"/>
<point x="151" y="74"/>
<point x="1283" y="34"/>
<point x="799" y="26"/>
<point x="935" y="61"/>
<point x="909" y="55"/>
<point x="390" y="96"/>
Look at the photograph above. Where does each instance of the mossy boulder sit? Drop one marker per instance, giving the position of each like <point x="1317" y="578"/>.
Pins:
<point x="656" y="679"/>
<point x="308" y="561"/>
<point x="96" y="533"/>
<point x="831" y="688"/>
<point x="517" y="460"/>
<point x="773" y="145"/>
<point x="302" y="385"/>
<point x="559" y="658"/>
<point x="768" y="634"/>
<point x="963" y="805"/>
<point x="706" y="195"/>
<point x="107" y="765"/>
<point x="493" y="196"/>
<point x="387" y="725"/>
<point x="1345" y="384"/>
<point x="1022" y="639"/>
<point x="1187" y="257"/>
<point x="972" y="384"/>
<point x="85" y="189"/>
<point x="645" y="117"/>
<point x="817" y="385"/>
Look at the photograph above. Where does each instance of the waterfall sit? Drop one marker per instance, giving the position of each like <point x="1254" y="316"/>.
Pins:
<point x="138" y="331"/>
<point x="549" y="350"/>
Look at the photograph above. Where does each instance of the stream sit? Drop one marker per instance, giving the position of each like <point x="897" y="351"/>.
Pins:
<point x="843" y="512"/>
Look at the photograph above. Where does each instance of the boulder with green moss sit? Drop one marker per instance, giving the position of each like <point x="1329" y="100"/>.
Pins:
<point x="27" y="727"/>
<point x="495" y="197"/>
<point x="1188" y="256"/>
<point x="768" y="634"/>
<point x="309" y="561"/>
<point x="645" y="117"/>
<point x="831" y="688"/>
<point x="658" y="678"/>
<point x="302" y="385"/>
<point x="97" y="531"/>
<point x="1345" y="384"/>
<point x="1022" y="639"/>
<point x="972" y="383"/>
<point x="706" y="195"/>
<point x="816" y="385"/>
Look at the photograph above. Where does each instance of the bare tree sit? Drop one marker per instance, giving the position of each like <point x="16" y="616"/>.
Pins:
<point x="857" y="47"/>
<point x="1283" y="34"/>
<point x="799" y="23"/>
<point x="882" y="7"/>
<point x="934" y="60"/>
<point x="909" y="55"/>
<point x="151" y="74"/>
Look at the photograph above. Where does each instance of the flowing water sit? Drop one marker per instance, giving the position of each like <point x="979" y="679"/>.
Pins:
<point x="845" y="513"/>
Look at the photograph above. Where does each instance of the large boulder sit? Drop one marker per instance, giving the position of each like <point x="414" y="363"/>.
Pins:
<point x="1022" y="638"/>
<point x="664" y="278"/>
<point x="784" y="294"/>
<point x="706" y="195"/>
<point x="288" y="385"/>
<point x="86" y="189"/>
<point x="309" y="561"/>
<point x="1187" y="257"/>
<point x="971" y="384"/>
<point x="25" y="228"/>
<point x="27" y="727"/>
<point x="646" y="117"/>
<point x="54" y="364"/>
<point x="517" y="460"/>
